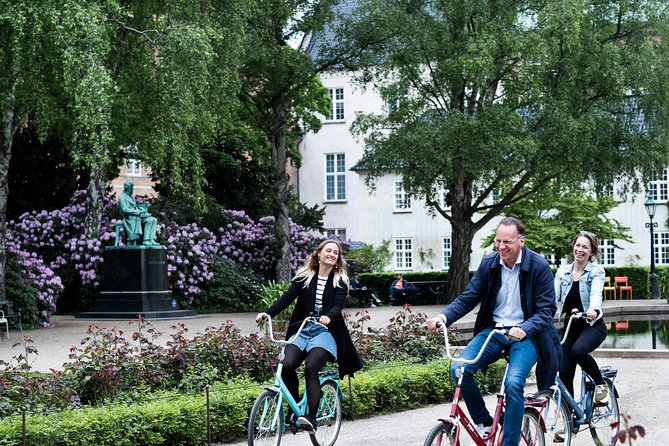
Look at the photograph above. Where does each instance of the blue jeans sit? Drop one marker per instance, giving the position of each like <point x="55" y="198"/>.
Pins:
<point x="523" y="356"/>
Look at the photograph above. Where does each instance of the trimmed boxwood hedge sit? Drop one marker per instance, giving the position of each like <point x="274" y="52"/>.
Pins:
<point x="177" y="419"/>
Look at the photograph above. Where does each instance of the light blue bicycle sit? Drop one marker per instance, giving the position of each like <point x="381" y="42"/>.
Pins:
<point x="266" y="421"/>
<point x="565" y="416"/>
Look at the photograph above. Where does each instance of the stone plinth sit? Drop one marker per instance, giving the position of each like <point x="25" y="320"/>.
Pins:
<point x="135" y="282"/>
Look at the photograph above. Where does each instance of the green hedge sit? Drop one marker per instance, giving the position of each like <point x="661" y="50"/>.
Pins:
<point x="380" y="282"/>
<point x="638" y="277"/>
<point x="174" y="419"/>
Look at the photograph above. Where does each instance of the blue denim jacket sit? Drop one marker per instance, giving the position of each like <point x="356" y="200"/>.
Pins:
<point x="590" y="286"/>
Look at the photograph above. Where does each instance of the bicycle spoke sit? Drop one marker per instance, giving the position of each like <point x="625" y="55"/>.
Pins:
<point x="329" y="415"/>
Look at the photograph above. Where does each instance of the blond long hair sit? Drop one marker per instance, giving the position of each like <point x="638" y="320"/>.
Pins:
<point x="310" y="268"/>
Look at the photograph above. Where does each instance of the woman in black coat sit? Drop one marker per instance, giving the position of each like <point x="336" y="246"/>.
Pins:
<point x="320" y="287"/>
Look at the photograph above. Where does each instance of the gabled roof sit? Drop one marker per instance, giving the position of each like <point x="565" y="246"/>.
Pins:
<point x="312" y="43"/>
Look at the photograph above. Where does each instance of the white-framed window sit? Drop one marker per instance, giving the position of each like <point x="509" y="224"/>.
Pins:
<point x="607" y="252"/>
<point x="392" y="106"/>
<point x="337" y="110"/>
<point x="401" y="200"/>
<point x="134" y="168"/>
<point x="403" y="253"/>
<point x="444" y="199"/>
<point x="608" y="190"/>
<point x="339" y="232"/>
<point x="446" y="250"/>
<point x="550" y="258"/>
<point x="659" y="186"/>
<point x="335" y="177"/>
<point x="661" y="248"/>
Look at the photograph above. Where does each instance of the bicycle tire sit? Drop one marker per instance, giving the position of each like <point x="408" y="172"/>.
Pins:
<point x="329" y="415"/>
<point x="557" y="418"/>
<point x="531" y="430"/>
<point x="266" y="420"/>
<point x="605" y="420"/>
<point x="442" y="434"/>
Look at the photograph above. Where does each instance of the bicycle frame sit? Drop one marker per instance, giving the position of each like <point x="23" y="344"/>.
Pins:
<point x="576" y="406"/>
<point x="457" y="416"/>
<point x="582" y="407"/>
<point x="298" y="407"/>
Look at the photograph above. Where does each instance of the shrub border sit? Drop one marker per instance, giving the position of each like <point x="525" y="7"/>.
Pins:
<point x="178" y="419"/>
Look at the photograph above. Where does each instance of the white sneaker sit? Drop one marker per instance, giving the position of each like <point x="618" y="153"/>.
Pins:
<point x="601" y="393"/>
<point x="372" y="306"/>
<point x="483" y="431"/>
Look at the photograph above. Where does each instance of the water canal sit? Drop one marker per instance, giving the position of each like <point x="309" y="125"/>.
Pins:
<point x="637" y="334"/>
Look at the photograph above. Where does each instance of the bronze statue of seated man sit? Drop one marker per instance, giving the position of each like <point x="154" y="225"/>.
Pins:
<point x="139" y="225"/>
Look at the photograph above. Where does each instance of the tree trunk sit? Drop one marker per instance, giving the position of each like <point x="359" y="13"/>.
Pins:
<point x="96" y="190"/>
<point x="6" y="138"/>
<point x="458" y="271"/>
<point x="281" y="228"/>
<point x="463" y="230"/>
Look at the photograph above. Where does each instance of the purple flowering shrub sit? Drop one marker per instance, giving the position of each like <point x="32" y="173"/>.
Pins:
<point x="53" y="250"/>
<point x="57" y="237"/>
<point x="252" y="245"/>
<point x="50" y="242"/>
<point x="190" y="252"/>
<point x="23" y="293"/>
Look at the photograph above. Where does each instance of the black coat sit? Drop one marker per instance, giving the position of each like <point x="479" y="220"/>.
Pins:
<point x="333" y="303"/>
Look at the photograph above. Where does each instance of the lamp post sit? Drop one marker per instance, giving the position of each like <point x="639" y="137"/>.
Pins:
<point x="651" y="206"/>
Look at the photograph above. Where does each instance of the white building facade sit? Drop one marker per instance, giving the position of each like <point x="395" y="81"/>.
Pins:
<point x="419" y="241"/>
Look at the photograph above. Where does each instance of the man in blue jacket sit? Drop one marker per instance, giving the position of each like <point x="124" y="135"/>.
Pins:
<point x="514" y="287"/>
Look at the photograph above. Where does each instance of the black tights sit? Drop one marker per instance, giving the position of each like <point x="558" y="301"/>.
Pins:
<point x="316" y="358"/>
<point x="582" y="340"/>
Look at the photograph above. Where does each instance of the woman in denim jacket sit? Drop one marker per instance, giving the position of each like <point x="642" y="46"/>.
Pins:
<point x="579" y="286"/>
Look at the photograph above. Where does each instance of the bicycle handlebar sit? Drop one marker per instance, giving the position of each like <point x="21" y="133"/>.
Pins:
<point x="268" y="319"/>
<point x="575" y="314"/>
<point x="503" y="331"/>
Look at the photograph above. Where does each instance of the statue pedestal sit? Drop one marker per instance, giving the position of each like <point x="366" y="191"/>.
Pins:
<point x="135" y="282"/>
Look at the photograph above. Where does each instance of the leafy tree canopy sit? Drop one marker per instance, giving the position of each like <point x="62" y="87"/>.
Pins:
<point x="369" y="259"/>
<point x="554" y="218"/>
<point x="282" y="94"/>
<point x="493" y="100"/>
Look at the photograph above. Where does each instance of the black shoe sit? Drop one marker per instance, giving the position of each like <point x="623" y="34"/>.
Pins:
<point x="308" y="423"/>
<point x="289" y="419"/>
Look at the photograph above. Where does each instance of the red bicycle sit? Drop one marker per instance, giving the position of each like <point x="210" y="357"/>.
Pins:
<point x="449" y="430"/>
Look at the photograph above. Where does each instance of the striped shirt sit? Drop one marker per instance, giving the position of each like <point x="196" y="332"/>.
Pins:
<point x="320" y="287"/>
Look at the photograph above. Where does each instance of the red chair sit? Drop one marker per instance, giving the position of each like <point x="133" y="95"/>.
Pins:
<point x="622" y="286"/>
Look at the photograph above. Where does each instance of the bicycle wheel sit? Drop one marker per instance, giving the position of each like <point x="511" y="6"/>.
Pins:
<point x="557" y="418"/>
<point x="329" y="415"/>
<point x="531" y="432"/>
<point x="443" y="434"/>
<point x="266" y="420"/>
<point x="605" y="420"/>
